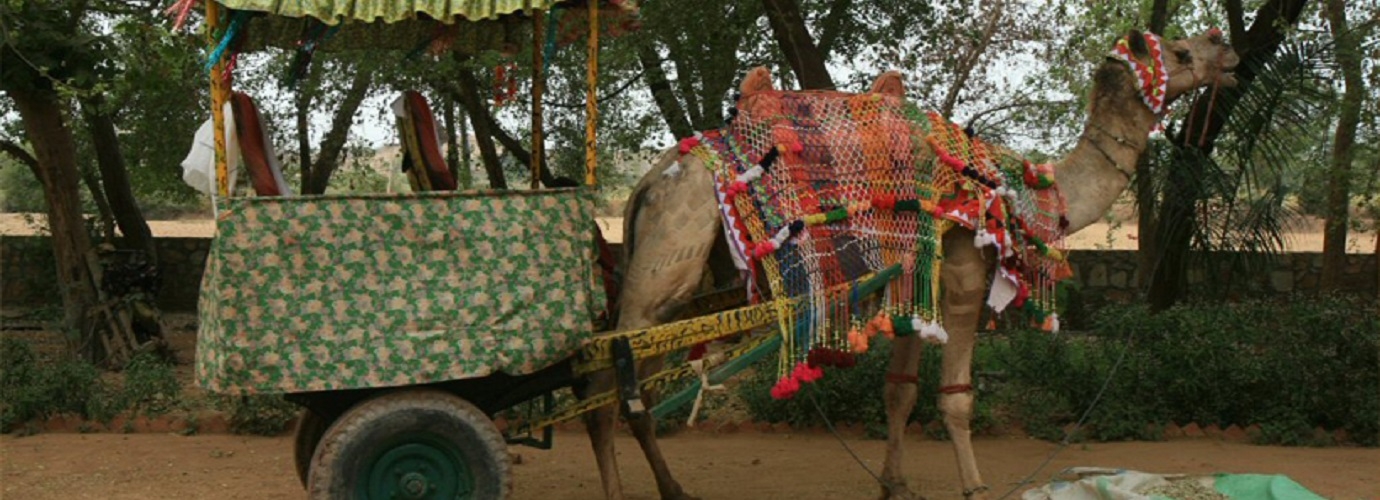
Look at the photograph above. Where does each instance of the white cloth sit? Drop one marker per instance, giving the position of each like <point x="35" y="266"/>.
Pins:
<point x="199" y="167"/>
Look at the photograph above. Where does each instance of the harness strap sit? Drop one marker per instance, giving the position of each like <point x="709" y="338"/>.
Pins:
<point x="956" y="389"/>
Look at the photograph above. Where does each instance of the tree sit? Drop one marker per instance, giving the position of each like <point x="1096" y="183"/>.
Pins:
<point x="794" y="40"/>
<point x="42" y="55"/>
<point x="1198" y="134"/>
<point x="1349" y="56"/>
<point x="316" y="174"/>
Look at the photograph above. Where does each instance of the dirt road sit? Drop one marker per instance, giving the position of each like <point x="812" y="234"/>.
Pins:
<point x="747" y="465"/>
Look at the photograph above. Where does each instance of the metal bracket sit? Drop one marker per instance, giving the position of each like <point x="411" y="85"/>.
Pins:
<point x="625" y="368"/>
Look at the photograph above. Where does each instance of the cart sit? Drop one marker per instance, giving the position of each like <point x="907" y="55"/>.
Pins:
<point x="403" y="324"/>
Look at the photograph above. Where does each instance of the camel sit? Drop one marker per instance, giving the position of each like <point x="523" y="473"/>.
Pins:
<point x="674" y="246"/>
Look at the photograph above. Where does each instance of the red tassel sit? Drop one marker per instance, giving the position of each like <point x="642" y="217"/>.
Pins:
<point x="688" y="143"/>
<point x="785" y="388"/>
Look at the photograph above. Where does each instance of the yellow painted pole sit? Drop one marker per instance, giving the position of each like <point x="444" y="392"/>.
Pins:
<point x="538" y="87"/>
<point x="219" y="94"/>
<point x="592" y="96"/>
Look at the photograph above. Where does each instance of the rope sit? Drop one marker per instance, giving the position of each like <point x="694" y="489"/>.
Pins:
<point x="1064" y="443"/>
<point x="849" y="449"/>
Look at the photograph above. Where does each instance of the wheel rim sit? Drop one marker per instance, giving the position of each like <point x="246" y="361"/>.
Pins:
<point x="419" y="466"/>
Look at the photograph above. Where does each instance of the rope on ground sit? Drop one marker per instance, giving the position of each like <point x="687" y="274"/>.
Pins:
<point x="847" y="448"/>
<point x="1064" y="443"/>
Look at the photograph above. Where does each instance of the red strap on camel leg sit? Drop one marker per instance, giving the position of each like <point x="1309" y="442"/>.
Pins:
<point x="956" y="389"/>
<point x="697" y="351"/>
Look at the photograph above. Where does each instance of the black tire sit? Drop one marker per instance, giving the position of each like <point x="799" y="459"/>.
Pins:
<point x="310" y="428"/>
<point x="417" y="443"/>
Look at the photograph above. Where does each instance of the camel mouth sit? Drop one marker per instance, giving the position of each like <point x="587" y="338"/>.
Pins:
<point x="1227" y="78"/>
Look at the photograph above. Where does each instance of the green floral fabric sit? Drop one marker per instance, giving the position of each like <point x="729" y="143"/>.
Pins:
<point x="341" y="292"/>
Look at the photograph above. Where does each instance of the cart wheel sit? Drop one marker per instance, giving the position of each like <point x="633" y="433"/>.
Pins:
<point x="310" y="428"/>
<point x="411" y="444"/>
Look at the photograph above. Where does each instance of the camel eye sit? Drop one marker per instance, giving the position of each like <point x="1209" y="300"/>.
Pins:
<point x="1183" y="56"/>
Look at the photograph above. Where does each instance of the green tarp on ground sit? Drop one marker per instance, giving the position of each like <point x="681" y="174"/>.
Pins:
<point x="1093" y="483"/>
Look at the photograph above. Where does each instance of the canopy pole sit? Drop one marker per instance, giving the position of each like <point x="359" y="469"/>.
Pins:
<point x="592" y="95"/>
<point x="538" y="88"/>
<point x="219" y="94"/>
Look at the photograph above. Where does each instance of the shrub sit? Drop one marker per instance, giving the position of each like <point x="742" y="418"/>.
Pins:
<point x="29" y="389"/>
<point x="262" y="415"/>
<point x="1290" y="365"/>
<point x="1287" y="365"/>
<point x="853" y="395"/>
<point x="150" y="386"/>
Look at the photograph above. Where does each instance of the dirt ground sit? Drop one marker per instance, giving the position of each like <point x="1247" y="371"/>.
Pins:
<point x="712" y="466"/>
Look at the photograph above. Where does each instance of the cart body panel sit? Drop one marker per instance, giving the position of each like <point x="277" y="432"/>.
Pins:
<point x="324" y="293"/>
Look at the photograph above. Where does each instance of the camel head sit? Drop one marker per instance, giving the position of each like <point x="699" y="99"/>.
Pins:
<point x="1189" y="63"/>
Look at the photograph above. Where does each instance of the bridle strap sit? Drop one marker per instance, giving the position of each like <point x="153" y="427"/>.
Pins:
<point x="1119" y="140"/>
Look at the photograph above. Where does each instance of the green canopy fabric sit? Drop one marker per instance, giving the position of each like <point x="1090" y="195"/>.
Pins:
<point x="470" y="26"/>
<point x="333" y="12"/>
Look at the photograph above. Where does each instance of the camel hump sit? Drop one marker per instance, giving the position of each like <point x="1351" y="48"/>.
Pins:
<point x="890" y="83"/>
<point x="757" y="80"/>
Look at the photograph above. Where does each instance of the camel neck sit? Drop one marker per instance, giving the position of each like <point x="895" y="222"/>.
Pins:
<point x="1100" y="166"/>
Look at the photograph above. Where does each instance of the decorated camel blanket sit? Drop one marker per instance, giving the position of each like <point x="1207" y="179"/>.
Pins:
<point x="820" y="188"/>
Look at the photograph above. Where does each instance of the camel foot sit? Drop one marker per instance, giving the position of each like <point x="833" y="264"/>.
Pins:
<point x="978" y="493"/>
<point x="899" y="491"/>
<point x="680" y="496"/>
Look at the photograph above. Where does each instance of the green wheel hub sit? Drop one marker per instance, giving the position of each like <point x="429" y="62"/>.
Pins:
<point x="418" y="466"/>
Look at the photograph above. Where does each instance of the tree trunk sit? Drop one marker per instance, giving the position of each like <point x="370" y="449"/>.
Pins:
<point x="303" y="112"/>
<point x="479" y="112"/>
<point x="829" y="27"/>
<point x="1339" y="173"/>
<point x="115" y="179"/>
<point x="1146" y="196"/>
<point x="971" y="59"/>
<point x="93" y="186"/>
<point x="468" y="92"/>
<point x="793" y="37"/>
<point x="328" y="155"/>
<point x="655" y="78"/>
<point x="1176" y="219"/>
<point x="466" y="178"/>
<point x="452" y="144"/>
<point x="41" y="112"/>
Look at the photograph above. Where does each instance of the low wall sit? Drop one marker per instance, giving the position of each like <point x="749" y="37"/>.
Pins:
<point x="29" y="275"/>
<point x="1104" y="276"/>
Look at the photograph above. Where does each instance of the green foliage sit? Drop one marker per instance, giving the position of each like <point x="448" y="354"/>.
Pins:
<point x="30" y="389"/>
<point x="261" y="415"/>
<point x="1289" y="366"/>
<point x="20" y="191"/>
<point x="150" y="385"/>
<point x="854" y="395"/>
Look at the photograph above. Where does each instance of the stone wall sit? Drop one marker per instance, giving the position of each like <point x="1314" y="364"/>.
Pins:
<point x="1103" y="276"/>
<point x="29" y="276"/>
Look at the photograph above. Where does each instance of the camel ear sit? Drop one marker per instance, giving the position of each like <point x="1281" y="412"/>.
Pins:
<point x="889" y="83"/>
<point x="757" y="80"/>
<point x="1136" y="39"/>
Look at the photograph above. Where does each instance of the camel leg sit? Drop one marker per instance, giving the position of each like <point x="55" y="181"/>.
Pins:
<point x="965" y="281"/>
<point x="599" y="423"/>
<point x="644" y="429"/>
<point x="899" y="394"/>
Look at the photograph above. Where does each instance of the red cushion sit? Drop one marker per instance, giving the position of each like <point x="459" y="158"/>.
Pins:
<point x="249" y="129"/>
<point x="433" y="163"/>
